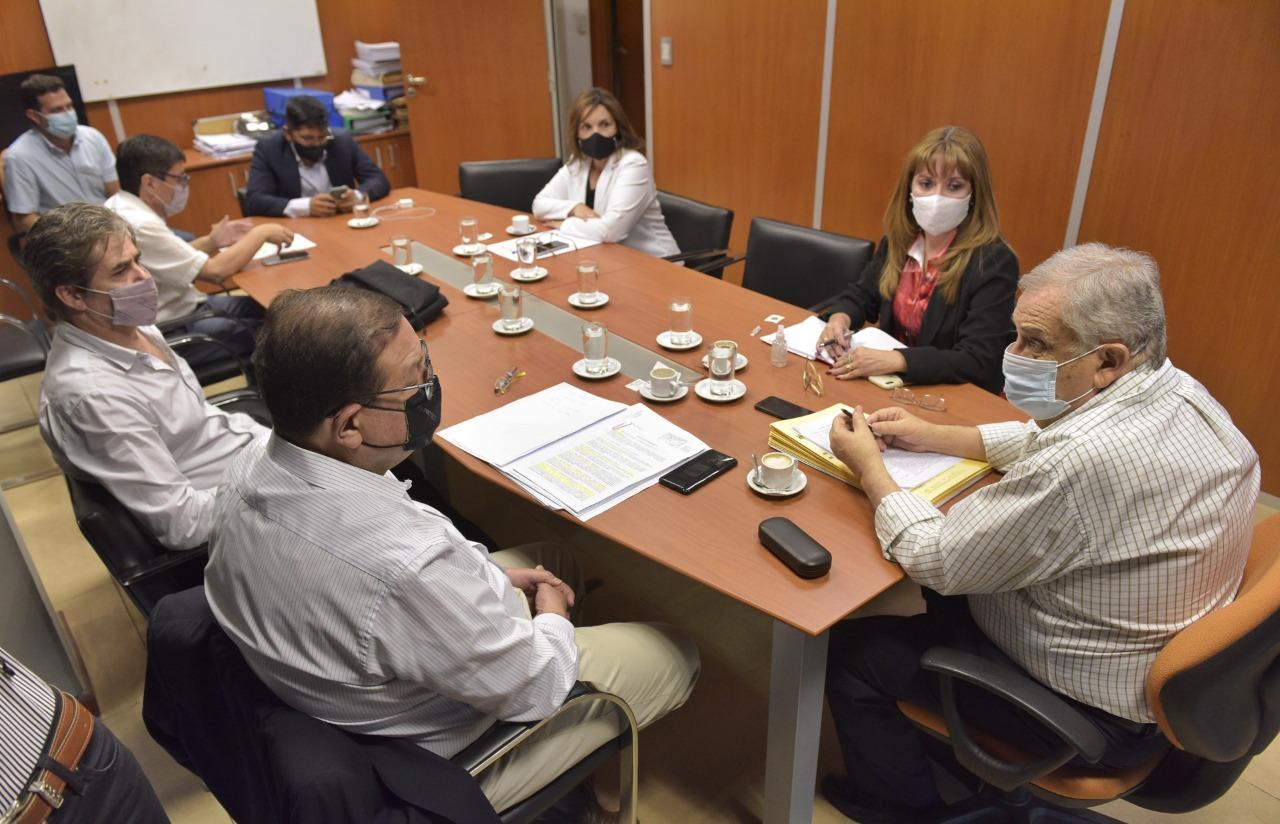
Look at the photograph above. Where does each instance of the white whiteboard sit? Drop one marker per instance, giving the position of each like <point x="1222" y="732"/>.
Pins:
<point x="129" y="48"/>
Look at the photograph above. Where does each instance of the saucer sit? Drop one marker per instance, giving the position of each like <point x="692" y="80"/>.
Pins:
<point x="528" y="275"/>
<point x="664" y="340"/>
<point x="613" y="368"/>
<point x="601" y="300"/>
<point x="473" y="291"/>
<point x="362" y="222"/>
<point x="413" y="269"/>
<point x="525" y="325"/>
<point x="468" y="251"/>
<point x="681" y="391"/>
<point x="703" y="390"/>
<point x="739" y="363"/>
<point x="511" y="230"/>
<point x="798" y="483"/>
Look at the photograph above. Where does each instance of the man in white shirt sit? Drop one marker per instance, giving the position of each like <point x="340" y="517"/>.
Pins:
<point x="57" y="161"/>
<point x="369" y="610"/>
<point x="154" y="187"/>
<point x="1123" y="515"/>
<point x="117" y="405"/>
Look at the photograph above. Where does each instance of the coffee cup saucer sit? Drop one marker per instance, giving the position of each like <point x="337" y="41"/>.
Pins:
<point x="664" y="340"/>
<point x="798" y="483"/>
<point x="525" y="325"/>
<point x="739" y="363"/>
<point x="612" y="367"/>
<point x="703" y="390"/>
<point x="473" y="291"/>
<point x="529" y="275"/>
<point x="576" y="300"/>
<point x="462" y="250"/>
<point x="511" y="230"/>
<point x="362" y="222"/>
<point x="681" y="391"/>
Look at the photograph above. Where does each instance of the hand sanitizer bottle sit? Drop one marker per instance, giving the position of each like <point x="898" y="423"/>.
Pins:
<point x="778" y="352"/>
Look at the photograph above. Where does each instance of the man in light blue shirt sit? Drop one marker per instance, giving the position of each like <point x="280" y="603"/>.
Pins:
<point x="58" y="161"/>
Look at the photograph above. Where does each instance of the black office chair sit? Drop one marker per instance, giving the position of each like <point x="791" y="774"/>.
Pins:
<point x="803" y="266"/>
<point x="242" y="197"/>
<point x="266" y="762"/>
<point x="228" y="365"/>
<point x="24" y="344"/>
<point x="143" y="567"/>
<point x="512" y="184"/>
<point x="701" y="231"/>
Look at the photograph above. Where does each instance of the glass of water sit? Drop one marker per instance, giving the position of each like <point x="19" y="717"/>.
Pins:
<point x="400" y="250"/>
<point x="482" y="273"/>
<point x="511" y="305"/>
<point x="527" y="255"/>
<point x="595" y="348"/>
<point x="721" y="363"/>
<point x="468" y="230"/>
<point x="681" y="333"/>
<point x="360" y="212"/>
<point x="588" y="282"/>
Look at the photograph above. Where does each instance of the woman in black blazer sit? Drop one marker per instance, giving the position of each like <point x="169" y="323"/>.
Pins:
<point x="956" y="316"/>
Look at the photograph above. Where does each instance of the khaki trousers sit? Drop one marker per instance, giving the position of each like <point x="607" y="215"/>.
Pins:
<point x="652" y="667"/>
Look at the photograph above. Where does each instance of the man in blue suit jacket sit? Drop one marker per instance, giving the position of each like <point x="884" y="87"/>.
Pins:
<point x="292" y="173"/>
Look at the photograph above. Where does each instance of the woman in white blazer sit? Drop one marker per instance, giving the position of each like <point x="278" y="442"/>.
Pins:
<point x="605" y="191"/>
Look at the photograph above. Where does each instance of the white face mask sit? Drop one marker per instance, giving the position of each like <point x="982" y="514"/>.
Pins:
<point x="178" y="202"/>
<point x="939" y="214"/>
<point x="1032" y="385"/>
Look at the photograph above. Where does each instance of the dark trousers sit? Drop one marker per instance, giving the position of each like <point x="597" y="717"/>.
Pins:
<point x="874" y="662"/>
<point x="235" y="322"/>
<point x="114" y="788"/>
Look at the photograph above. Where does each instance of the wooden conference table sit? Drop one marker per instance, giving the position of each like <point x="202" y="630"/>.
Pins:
<point x="709" y="536"/>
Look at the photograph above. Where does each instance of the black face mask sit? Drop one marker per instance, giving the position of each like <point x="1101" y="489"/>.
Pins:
<point x="421" y="418"/>
<point x="598" y="146"/>
<point x="311" y="154"/>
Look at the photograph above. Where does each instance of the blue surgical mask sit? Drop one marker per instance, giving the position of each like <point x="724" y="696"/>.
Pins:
<point x="61" y="124"/>
<point x="1032" y="385"/>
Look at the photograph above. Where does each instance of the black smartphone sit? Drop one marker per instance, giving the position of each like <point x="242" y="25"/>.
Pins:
<point x="549" y="246"/>
<point x="287" y="256"/>
<point x="696" y="471"/>
<point x="778" y="408"/>
<point x="337" y="191"/>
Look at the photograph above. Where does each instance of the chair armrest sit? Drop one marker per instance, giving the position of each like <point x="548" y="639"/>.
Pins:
<point x="173" y="323"/>
<point x="10" y="320"/>
<point x="181" y="341"/>
<point x="822" y="308"/>
<point x="164" y="563"/>
<point x="1074" y="731"/>
<point x="701" y="253"/>
<point x="505" y="736"/>
<point x="23" y="295"/>
<point x="234" y="396"/>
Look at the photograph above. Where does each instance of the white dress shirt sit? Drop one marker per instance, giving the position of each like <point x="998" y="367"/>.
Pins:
<point x="1112" y="529"/>
<point x="142" y="428"/>
<point x="315" y="180"/>
<point x="626" y="200"/>
<point x="172" y="262"/>
<point x="360" y="607"/>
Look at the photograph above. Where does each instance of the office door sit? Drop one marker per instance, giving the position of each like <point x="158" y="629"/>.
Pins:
<point x="478" y="85"/>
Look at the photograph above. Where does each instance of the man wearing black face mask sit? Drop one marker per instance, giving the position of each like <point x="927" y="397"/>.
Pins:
<point x="293" y="173"/>
<point x="362" y="607"/>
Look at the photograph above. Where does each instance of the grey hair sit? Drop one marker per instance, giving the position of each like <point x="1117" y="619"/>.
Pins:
<point x="1109" y="294"/>
<point x="64" y="246"/>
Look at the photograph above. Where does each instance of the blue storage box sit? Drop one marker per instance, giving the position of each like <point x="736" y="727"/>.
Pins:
<point x="275" y="99"/>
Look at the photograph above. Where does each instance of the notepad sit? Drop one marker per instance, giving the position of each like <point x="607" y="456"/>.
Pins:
<point x="299" y="243"/>
<point x="802" y="339"/>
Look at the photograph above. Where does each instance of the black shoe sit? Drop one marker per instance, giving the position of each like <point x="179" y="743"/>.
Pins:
<point x="838" y="794"/>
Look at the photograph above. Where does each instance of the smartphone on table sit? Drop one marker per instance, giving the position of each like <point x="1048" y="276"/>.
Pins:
<point x="698" y="471"/>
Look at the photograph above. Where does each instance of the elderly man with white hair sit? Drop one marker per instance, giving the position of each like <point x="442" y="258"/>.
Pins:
<point x="1122" y="516"/>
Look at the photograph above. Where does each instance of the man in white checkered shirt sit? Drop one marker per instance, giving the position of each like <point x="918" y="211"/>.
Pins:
<point x="1123" y="515"/>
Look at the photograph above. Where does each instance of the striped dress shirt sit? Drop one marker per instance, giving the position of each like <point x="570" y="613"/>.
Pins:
<point x="26" y="718"/>
<point x="1112" y="529"/>
<point x="370" y="611"/>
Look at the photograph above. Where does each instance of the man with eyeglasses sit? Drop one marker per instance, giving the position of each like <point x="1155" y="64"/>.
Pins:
<point x="309" y="170"/>
<point x="154" y="187"/>
<point x="58" y="160"/>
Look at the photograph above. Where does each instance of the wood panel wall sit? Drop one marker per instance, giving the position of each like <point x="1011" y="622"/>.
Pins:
<point x="735" y="119"/>
<point x="1019" y="74"/>
<point x="1185" y="170"/>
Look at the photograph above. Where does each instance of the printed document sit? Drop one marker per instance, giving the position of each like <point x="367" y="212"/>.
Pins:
<point x="507" y="248"/>
<point x="269" y="249"/>
<point x="908" y="469"/>
<point x="802" y="339"/>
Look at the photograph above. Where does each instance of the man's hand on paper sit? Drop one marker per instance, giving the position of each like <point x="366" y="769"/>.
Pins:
<point x="862" y="361"/>
<point x="900" y="429"/>
<point x="532" y="581"/>
<point x="226" y="231"/>
<point x="853" y="442"/>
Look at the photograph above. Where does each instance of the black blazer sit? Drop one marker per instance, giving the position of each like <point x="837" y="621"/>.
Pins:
<point x="274" y="179"/>
<point x="962" y="342"/>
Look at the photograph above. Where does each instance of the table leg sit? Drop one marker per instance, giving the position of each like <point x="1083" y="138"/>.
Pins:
<point x="796" y="680"/>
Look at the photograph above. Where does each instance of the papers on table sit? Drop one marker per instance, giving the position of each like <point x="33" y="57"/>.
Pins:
<point x="269" y="249"/>
<point x="908" y="469"/>
<point x="224" y="145"/>
<point x="802" y="339"/>
<point x="572" y="450"/>
<point x="507" y="248"/>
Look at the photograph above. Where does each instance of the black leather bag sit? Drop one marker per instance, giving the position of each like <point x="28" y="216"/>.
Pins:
<point x="420" y="301"/>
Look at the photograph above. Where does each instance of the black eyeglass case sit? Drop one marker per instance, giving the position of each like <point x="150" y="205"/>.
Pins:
<point x="793" y="546"/>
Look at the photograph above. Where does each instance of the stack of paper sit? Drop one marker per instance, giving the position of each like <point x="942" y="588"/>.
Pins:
<point x="379" y="62"/>
<point x="802" y="339"/>
<point x="934" y="477"/>
<point x="299" y="243"/>
<point x="572" y="450"/>
<point x="507" y="248"/>
<point x="362" y="114"/>
<point x="224" y="145"/>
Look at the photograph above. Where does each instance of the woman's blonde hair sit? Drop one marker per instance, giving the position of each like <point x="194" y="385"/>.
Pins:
<point x="952" y="147"/>
<point x="582" y="105"/>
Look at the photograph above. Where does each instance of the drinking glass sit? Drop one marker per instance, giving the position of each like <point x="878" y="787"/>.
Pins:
<point x="511" y="305"/>
<point x="360" y="211"/>
<point x="588" y="282"/>
<point x="721" y="364"/>
<point x="482" y="273"/>
<point x="527" y="255"/>
<point x="595" y="348"/>
<point x="681" y="333"/>
<point x="400" y="250"/>
<point x="468" y="230"/>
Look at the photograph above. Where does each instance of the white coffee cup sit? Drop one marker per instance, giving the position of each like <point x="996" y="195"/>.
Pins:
<point x="777" y="471"/>
<point x="520" y="223"/>
<point x="663" y="381"/>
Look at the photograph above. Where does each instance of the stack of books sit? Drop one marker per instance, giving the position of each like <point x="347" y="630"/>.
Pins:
<point x="934" y="477"/>
<point x="376" y="69"/>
